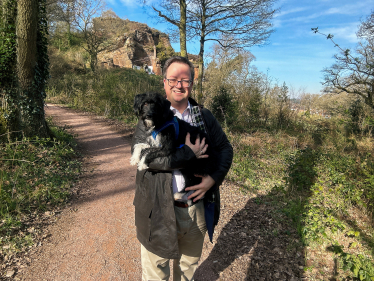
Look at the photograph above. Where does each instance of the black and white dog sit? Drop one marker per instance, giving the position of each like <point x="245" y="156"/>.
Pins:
<point x="164" y="134"/>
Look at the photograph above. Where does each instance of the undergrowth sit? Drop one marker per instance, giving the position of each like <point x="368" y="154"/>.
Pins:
<point x="36" y="175"/>
<point x="322" y="180"/>
<point x="107" y="93"/>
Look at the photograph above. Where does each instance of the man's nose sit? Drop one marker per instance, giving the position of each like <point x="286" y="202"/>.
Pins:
<point x="179" y="84"/>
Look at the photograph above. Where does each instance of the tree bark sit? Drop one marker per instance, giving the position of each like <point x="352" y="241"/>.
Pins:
<point x="201" y="57"/>
<point x="27" y="19"/>
<point x="29" y="26"/>
<point x="182" y="28"/>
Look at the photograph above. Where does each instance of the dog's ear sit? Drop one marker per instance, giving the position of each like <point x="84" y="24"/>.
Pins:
<point x="138" y="103"/>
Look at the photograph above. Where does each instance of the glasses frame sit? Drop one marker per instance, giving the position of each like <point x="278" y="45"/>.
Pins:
<point x="179" y="81"/>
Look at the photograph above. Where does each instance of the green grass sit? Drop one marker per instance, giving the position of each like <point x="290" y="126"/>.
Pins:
<point x="36" y="175"/>
<point x="107" y="93"/>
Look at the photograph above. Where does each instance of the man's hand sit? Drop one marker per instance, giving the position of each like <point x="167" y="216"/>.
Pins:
<point x="199" y="148"/>
<point x="206" y="183"/>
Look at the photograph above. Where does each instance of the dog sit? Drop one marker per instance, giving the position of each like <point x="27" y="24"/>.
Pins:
<point x="164" y="134"/>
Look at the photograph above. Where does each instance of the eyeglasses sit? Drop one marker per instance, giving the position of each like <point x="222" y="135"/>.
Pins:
<point x="174" y="82"/>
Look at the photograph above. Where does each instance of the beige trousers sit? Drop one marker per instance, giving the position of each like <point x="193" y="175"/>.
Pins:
<point x="191" y="229"/>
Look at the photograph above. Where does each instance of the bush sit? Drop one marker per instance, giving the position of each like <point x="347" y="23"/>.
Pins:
<point x="224" y="108"/>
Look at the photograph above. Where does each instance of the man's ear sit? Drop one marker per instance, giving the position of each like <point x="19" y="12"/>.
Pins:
<point x="138" y="101"/>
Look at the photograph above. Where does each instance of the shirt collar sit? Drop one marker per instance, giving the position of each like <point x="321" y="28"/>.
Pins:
<point x="187" y="110"/>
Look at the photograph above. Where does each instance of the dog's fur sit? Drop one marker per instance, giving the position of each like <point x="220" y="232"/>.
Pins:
<point x="154" y="111"/>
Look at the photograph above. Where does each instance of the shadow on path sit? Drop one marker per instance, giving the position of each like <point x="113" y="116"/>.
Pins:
<point x="270" y="249"/>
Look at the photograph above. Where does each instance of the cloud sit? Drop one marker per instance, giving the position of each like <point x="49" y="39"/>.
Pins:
<point x="290" y="11"/>
<point x="347" y="32"/>
<point x="129" y="3"/>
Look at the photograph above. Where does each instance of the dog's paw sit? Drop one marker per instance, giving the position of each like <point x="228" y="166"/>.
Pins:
<point x="142" y="165"/>
<point x="183" y="197"/>
<point x="135" y="158"/>
<point x="179" y="195"/>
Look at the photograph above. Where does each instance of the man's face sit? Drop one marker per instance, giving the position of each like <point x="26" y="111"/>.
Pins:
<point x="178" y="94"/>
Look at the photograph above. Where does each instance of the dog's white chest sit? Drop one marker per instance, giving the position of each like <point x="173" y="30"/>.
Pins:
<point x="154" y="142"/>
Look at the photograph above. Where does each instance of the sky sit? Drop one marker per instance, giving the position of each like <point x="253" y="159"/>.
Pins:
<point x="293" y="54"/>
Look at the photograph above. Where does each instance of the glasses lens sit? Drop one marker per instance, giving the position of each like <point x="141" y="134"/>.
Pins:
<point x="174" y="82"/>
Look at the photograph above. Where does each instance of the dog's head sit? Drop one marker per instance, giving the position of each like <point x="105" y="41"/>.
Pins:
<point x="152" y="108"/>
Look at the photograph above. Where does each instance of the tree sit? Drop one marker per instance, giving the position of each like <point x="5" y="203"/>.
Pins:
<point x="353" y="73"/>
<point x="245" y="22"/>
<point x="62" y="11"/>
<point x="24" y="65"/>
<point x="366" y="29"/>
<point x="32" y="65"/>
<point x="174" y="12"/>
<point x="94" y="34"/>
<point x="230" y="68"/>
<point x="8" y="63"/>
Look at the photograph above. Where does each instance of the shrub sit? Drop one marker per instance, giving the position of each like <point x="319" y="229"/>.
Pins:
<point x="224" y="108"/>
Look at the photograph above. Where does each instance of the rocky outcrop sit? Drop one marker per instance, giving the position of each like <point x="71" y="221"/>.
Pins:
<point x="135" y="48"/>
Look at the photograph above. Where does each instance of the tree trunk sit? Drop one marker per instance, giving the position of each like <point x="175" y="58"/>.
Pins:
<point x="182" y="28"/>
<point x="201" y="57"/>
<point x="8" y="80"/>
<point x="27" y="22"/>
<point x="29" y="30"/>
<point x="93" y="61"/>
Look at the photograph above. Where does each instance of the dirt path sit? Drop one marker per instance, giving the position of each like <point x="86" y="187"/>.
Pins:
<point x="94" y="238"/>
<point x="97" y="241"/>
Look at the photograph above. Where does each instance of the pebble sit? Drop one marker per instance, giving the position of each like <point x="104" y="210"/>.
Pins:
<point x="10" y="273"/>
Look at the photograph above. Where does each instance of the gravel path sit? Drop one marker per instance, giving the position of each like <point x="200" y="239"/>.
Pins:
<point x="94" y="238"/>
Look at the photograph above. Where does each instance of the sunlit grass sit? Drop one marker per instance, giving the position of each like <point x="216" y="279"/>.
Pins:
<point x="36" y="175"/>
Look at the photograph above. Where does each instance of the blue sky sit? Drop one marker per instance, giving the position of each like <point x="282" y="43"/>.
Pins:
<point x="294" y="54"/>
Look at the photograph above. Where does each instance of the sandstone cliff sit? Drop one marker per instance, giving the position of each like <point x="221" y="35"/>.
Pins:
<point x="136" y="46"/>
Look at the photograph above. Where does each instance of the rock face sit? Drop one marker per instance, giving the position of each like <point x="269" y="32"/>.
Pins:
<point x="135" y="48"/>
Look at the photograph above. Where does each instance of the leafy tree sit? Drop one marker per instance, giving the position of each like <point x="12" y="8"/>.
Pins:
<point x="62" y="11"/>
<point x="353" y="72"/>
<point x="224" y="108"/>
<point x="163" y="52"/>
<point x="283" y="105"/>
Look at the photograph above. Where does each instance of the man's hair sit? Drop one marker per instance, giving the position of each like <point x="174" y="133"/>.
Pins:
<point x="179" y="60"/>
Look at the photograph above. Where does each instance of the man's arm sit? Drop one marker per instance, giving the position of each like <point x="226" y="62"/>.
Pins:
<point x="224" y="152"/>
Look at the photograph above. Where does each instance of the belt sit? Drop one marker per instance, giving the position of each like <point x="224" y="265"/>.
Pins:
<point x="181" y="204"/>
<point x="184" y="204"/>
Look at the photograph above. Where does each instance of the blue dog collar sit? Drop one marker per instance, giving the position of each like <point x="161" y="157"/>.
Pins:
<point x="173" y="122"/>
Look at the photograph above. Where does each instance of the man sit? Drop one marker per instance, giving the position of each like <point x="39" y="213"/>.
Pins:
<point x="169" y="229"/>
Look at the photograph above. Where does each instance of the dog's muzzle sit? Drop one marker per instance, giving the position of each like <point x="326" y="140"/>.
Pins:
<point x="148" y="123"/>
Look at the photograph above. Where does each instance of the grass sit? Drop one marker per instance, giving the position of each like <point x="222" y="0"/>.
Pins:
<point x="36" y="175"/>
<point x="107" y="93"/>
